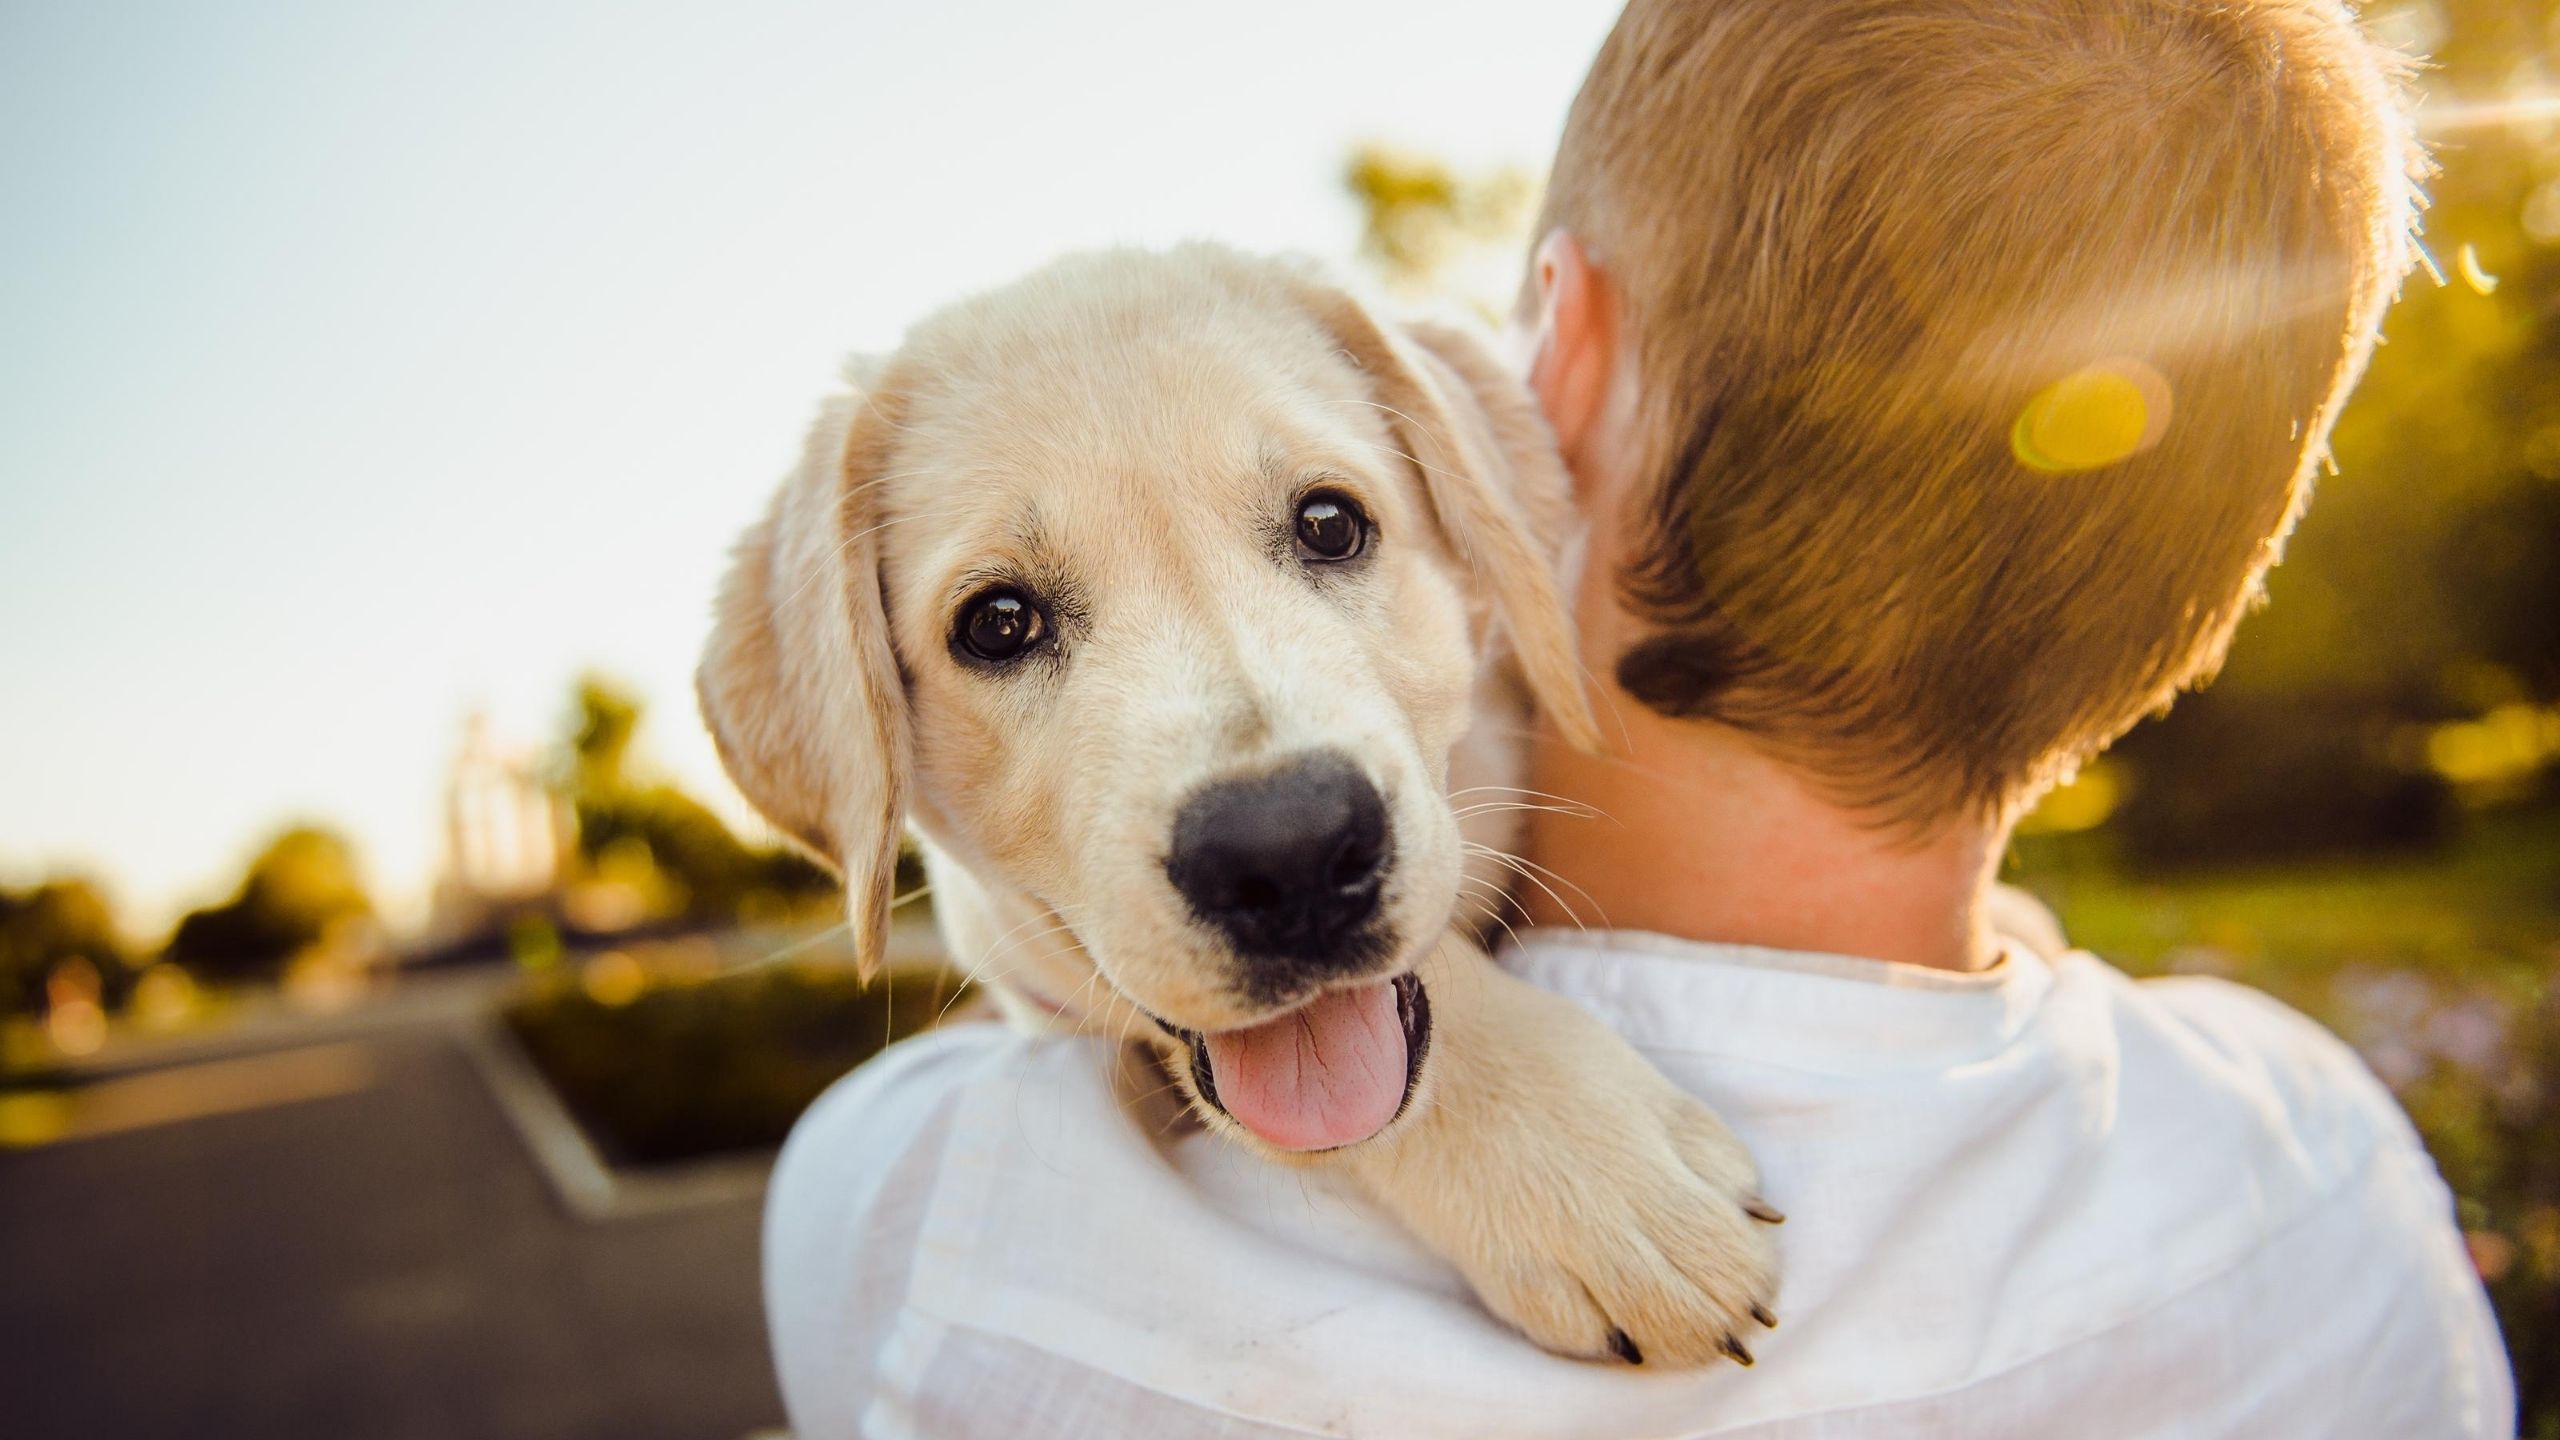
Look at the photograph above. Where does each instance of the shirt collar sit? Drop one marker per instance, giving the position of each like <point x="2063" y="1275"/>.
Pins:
<point x="1802" y="1009"/>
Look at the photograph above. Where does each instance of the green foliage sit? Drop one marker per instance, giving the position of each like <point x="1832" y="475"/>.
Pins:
<point x="57" y="922"/>
<point x="697" y="1066"/>
<point x="304" y="883"/>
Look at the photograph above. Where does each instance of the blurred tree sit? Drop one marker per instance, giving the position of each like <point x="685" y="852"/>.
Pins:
<point x="1431" y="230"/>
<point x="304" y="883"/>
<point x="56" y="923"/>
<point x="604" y="719"/>
<point x="658" y="843"/>
<point x="2239" y="776"/>
<point x="2425" y="575"/>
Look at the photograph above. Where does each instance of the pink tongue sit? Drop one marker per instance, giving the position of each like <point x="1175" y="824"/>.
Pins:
<point x="1327" y="1074"/>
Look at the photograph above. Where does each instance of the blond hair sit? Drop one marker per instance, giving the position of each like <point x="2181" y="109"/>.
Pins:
<point x="1985" y="353"/>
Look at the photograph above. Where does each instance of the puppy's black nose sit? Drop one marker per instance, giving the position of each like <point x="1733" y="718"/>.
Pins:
<point x="1289" y="864"/>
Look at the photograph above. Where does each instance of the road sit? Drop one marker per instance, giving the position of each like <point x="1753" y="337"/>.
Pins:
<point x="368" y="1253"/>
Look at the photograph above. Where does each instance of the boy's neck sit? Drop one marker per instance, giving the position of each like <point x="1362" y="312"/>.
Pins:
<point x="1696" y="834"/>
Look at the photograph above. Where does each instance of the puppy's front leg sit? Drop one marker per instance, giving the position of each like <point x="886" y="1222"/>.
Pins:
<point x="1589" y="1201"/>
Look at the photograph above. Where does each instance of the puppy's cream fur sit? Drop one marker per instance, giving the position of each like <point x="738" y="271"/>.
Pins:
<point x="1126" y="436"/>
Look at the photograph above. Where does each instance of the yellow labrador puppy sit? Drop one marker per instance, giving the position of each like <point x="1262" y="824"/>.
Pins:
<point x="1181" y="608"/>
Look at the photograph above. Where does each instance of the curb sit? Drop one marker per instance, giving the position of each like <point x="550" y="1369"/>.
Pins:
<point x="585" y="1184"/>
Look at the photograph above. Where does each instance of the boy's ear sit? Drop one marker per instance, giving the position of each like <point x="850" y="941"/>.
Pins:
<point x="1573" y="343"/>
<point x="1490" y="471"/>
<point x="798" y="683"/>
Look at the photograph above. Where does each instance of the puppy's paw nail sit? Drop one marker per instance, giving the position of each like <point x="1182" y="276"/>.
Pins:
<point x="1762" y="1211"/>
<point x="1761" y="1314"/>
<point x="1734" y="1348"/>
<point x="1625" y="1348"/>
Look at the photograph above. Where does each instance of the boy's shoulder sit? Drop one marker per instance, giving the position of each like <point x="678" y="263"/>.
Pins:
<point x="979" y="1217"/>
<point x="2286" y="1068"/>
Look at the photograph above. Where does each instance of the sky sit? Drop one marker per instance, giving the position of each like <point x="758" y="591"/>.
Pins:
<point x="366" y="364"/>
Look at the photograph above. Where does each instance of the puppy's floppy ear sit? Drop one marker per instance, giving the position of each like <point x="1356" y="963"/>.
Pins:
<point x="1490" y="469"/>
<point x="798" y="682"/>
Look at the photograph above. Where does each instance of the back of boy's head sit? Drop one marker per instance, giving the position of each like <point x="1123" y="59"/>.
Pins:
<point x="1985" y="352"/>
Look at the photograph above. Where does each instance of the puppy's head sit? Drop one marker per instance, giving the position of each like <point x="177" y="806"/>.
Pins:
<point x="1157" y="589"/>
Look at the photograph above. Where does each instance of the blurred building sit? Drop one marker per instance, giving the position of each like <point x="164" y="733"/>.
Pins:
<point x="506" y="832"/>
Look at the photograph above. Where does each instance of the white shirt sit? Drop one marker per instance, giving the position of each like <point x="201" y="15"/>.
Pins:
<point x="2043" y="1201"/>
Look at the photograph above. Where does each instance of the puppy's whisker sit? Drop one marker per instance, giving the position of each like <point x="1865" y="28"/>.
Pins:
<point x="1025" y="941"/>
<point x="1011" y="941"/>
<point x="1526" y="871"/>
<point x="1180" y="1114"/>
<point x="967" y="978"/>
<point x="1167" y="1088"/>
<point x="996" y="946"/>
<point x="986" y="982"/>
<point x="1571" y="914"/>
<point x="1493" y="807"/>
<point x="800" y="946"/>
<point x="1419" y="428"/>
<point x="1486" y="916"/>
<point x="1563" y="880"/>
<point x="1079" y="1004"/>
<point x="1547" y="795"/>
<point x="1416" y="424"/>
<point x="1489" y="912"/>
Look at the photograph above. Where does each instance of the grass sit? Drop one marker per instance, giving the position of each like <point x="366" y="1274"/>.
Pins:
<point x="2485" y="910"/>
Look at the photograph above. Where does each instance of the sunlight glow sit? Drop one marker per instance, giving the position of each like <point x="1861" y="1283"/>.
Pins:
<point x="2459" y="118"/>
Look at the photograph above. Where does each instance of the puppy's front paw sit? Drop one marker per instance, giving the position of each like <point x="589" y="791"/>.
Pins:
<point x="1589" y="1201"/>
<point x="1644" y="1238"/>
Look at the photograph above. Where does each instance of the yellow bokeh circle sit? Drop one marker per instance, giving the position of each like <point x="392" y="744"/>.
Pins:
<point x="2092" y="418"/>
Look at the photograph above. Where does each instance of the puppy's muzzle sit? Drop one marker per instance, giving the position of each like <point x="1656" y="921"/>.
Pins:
<point x="1289" y="866"/>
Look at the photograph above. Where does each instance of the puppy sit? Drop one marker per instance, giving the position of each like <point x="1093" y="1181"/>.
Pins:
<point x="1190" y="616"/>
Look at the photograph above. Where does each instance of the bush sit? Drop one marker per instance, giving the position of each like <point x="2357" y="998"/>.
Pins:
<point x="300" y="886"/>
<point x="662" y="1068"/>
<point x="2237" y="777"/>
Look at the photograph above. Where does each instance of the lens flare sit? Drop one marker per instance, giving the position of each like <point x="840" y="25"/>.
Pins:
<point x="2474" y="274"/>
<point x="2092" y="418"/>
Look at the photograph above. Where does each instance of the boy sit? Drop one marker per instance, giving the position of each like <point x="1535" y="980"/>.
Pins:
<point x="1939" y="380"/>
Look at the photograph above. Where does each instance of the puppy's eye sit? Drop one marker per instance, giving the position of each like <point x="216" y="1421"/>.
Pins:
<point x="1331" y="528"/>
<point x="1001" y="625"/>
